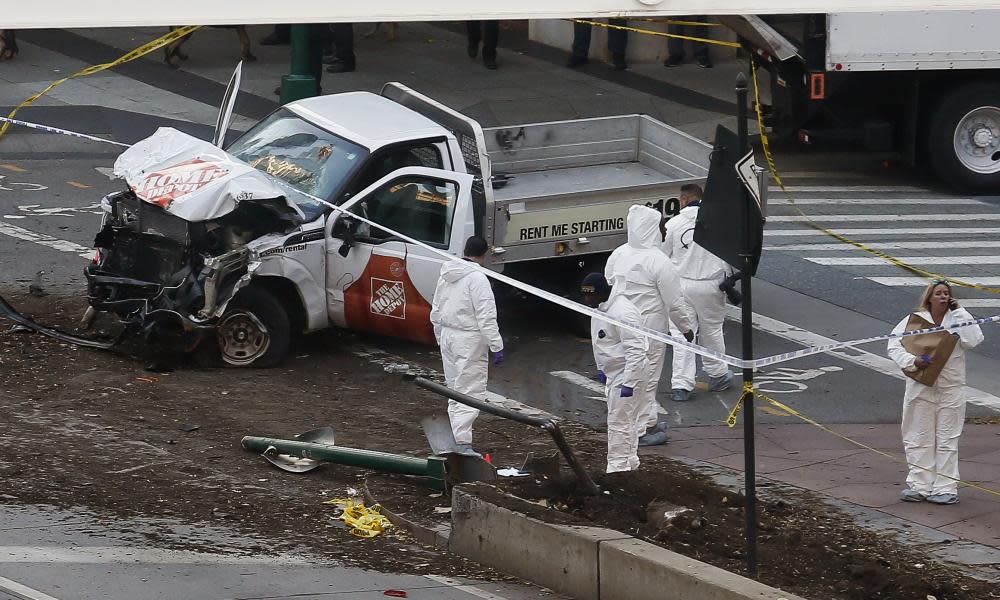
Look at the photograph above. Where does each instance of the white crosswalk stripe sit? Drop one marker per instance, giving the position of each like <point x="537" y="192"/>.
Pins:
<point x="955" y="236"/>
<point x="845" y="261"/>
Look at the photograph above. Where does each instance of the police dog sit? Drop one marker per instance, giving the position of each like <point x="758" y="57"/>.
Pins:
<point x="172" y="51"/>
<point x="8" y="44"/>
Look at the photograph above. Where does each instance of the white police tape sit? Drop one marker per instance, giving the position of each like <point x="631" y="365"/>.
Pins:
<point x="576" y="306"/>
<point x="48" y="129"/>
<point x="651" y="333"/>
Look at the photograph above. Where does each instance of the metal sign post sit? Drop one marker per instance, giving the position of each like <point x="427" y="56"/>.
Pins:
<point x="750" y="465"/>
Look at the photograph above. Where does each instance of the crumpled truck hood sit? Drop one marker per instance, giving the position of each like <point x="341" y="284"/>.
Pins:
<point x="192" y="179"/>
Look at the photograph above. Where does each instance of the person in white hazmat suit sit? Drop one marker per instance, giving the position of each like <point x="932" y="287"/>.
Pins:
<point x="620" y="355"/>
<point x="701" y="275"/>
<point x="933" y="416"/>
<point x="464" y="315"/>
<point x="651" y="282"/>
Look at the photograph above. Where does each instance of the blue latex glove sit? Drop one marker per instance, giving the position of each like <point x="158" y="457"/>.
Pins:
<point x="601" y="377"/>
<point x="627" y="391"/>
<point x="498" y="357"/>
<point x="926" y="358"/>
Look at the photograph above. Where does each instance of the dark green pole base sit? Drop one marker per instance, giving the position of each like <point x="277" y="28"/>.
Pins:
<point x="297" y="87"/>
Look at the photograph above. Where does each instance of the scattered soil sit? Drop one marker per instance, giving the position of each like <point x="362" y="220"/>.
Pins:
<point x="88" y="428"/>
<point x="804" y="545"/>
<point x="92" y="429"/>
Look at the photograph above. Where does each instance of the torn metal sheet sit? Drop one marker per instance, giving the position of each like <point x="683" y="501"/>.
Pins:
<point x="293" y="464"/>
<point x="7" y="311"/>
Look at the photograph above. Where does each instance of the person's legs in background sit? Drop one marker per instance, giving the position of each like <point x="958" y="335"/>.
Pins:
<point x="491" y="36"/>
<point x="618" y="43"/>
<point x="581" y="45"/>
<point x="281" y="35"/>
<point x="474" y="34"/>
<point x="343" y="48"/>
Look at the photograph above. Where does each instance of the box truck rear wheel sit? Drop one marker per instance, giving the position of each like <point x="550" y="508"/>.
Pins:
<point x="964" y="137"/>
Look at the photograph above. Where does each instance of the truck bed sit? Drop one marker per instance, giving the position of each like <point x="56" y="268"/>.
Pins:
<point x="573" y="181"/>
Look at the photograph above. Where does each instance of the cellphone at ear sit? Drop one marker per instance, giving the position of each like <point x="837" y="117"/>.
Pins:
<point x="952" y="304"/>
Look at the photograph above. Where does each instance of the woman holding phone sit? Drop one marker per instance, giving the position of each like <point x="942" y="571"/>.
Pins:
<point x="933" y="415"/>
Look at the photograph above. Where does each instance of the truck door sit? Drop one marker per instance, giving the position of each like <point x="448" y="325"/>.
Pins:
<point x="379" y="283"/>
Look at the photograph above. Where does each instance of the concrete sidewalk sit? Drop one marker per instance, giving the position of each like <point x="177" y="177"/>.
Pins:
<point x="806" y="457"/>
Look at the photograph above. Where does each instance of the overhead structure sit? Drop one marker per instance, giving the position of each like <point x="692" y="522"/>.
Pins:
<point x="112" y="13"/>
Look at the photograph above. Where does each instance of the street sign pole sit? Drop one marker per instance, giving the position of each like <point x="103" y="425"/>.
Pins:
<point x="300" y="83"/>
<point x="750" y="466"/>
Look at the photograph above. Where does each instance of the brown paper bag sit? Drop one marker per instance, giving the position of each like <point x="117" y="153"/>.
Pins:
<point x="939" y="345"/>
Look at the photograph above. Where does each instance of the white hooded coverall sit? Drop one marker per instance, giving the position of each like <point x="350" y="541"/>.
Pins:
<point x="621" y="355"/>
<point x="464" y="316"/>
<point x="651" y="282"/>
<point x="701" y="273"/>
<point x="933" y="416"/>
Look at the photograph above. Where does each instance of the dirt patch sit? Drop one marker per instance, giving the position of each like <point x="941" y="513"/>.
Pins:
<point x="805" y="546"/>
<point x="94" y="429"/>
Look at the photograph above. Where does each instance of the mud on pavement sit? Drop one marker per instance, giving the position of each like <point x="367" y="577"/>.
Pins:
<point x="93" y="429"/>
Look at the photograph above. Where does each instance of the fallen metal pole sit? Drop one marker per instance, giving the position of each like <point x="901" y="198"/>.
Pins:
<point x="433" y="468"/>
<point x="547" y="424"/>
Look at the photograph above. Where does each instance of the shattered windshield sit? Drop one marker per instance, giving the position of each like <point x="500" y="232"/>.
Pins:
<point x="308" y="158"/>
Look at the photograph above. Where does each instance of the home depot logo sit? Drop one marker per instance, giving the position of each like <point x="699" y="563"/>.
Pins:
<point x="166" y="185"/>
<point x="388" y="298"/>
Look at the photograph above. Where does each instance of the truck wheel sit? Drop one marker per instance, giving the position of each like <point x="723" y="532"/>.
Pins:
<point x="255" y="330"/>
<point x="964" y="137"/>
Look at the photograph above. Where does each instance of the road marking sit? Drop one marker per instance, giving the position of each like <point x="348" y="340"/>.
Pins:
<point x="77" y="184"/>
<point x="890" y="218"/>
<point x="854" y="188"/>
<point x="855" y="355"/>
<point x="106" y="555"/>
<point x="60" y="211"/>
<point x="936" y="245"/>
<point x="980" y="302"/>
<point x="859" y="261"/>
<point x="589" y="384"/>
<point x="944" y="202"/>
<point x="384" y="359"/>
<point x="907" y="231"/>
<point x="464" y="587"/>
<point x="22" y="591"/>
<point x="14" y="168"/>
<point x="45" y="240"/>
<point x="921" y="282"/>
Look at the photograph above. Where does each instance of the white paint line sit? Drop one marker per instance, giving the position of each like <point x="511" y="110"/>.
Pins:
<point x="936" y="245"/>
<point x="979" y="302"/>
<point x="916" y="232"/>
<point x="859" y="261"/>
<point x="880" y="201"/>
<point x="790" y="175"/>
<point x="852" y="188"/>
<point x="464" y="587"/>
<point x="588" y="384"/>
<point x="23" y="591"/>
<point x="856" y="355"/>
<point x="921" y="281"/>
<point x="45" y="240"/>
<point x="106" y="555"/>
<point x="580" y="380"/>
<point x="888" y="218"/>
<point x="137" y="468"/>
<point x="383" y="358"/>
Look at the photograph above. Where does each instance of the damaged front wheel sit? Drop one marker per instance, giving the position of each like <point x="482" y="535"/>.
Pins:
<point x="255" y="330"/>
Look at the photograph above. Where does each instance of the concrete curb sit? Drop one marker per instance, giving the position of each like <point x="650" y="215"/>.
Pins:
<point x="436" y="537"/>
<point x="587" y="563"/>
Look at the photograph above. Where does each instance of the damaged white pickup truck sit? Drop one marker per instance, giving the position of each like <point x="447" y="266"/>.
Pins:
<point x="218" y="249"/>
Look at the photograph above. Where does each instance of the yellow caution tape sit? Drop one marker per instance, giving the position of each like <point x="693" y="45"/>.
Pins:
<point x="746" y="395"/>
<point x="134" y="54"/>
<point x="364" y="522"/>
<point x="676" y="22"/>
<point x="659" y="33"/>
<point x="839" y="237"/>
<point x="817" y="424"/>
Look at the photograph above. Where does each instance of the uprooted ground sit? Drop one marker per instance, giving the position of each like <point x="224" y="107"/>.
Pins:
<point x="93" y="429"/>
